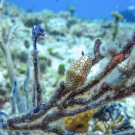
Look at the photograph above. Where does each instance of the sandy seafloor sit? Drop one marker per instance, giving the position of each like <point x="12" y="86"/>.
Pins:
<point x="65" y="37"/>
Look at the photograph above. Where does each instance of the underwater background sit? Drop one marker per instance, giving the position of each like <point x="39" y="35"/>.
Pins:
<point x="98" y="36"/>
<point x="84" y="8"/>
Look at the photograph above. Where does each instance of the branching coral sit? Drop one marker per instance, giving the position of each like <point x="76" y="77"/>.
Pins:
<point x="112" y="118"/>
<point x="68" y="99"/>
<point x="106" y="127"/>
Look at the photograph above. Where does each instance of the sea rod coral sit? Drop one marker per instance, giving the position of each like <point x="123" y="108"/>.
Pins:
<point x="115" y="81"/>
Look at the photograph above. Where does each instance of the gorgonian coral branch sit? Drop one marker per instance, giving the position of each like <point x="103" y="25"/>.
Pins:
<point x="70" y="93"/>
<point x="97" y="54"/>
<point x="37" y="31"/>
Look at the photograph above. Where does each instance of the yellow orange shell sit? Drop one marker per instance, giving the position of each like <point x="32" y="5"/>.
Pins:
<point x="78" y="72"/>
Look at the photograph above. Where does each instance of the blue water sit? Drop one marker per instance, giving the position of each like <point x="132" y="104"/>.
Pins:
<point x="84" y="8"/>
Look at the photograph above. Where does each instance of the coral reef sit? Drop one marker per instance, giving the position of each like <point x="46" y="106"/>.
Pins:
<point x="58" y="28"/>
<point x="112" y="119"/>
<point x="107" y="127"/>
<point x="103" y="76"/>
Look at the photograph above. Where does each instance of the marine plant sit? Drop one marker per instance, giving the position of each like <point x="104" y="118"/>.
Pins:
<point x="114" y="82"/>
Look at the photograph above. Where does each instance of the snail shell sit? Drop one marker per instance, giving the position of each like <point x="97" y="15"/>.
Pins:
<point x="125" y="66"/>
<point x="78" y="72"/>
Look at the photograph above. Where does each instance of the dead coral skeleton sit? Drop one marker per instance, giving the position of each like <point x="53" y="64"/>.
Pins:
<point x="40" y="117"/>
